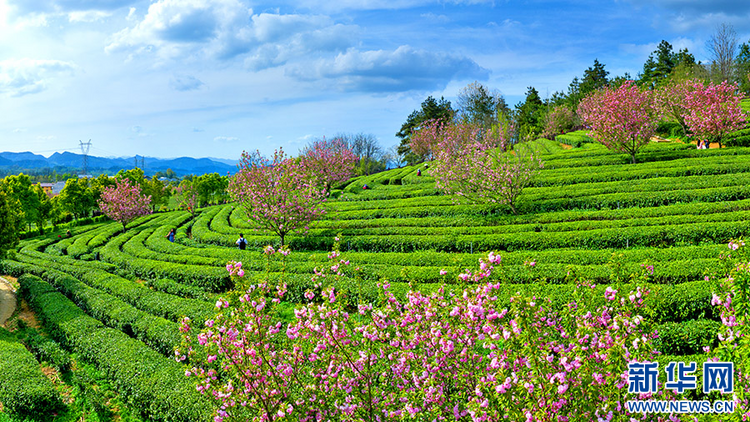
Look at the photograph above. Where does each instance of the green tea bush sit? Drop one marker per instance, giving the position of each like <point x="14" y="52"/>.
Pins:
<point x="24" y="390"/>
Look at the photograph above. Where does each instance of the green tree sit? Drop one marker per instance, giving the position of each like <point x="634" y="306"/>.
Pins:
<point x="529" y="116"/>
<point x="23" y="198"/>
<point x="742" y="67"/>
<point x="44" y="212"/>
<point x="98" y="184"/>
<point x="431" y="109"/>
<point x="169" y="174"/>
<point x="659" y="65"/>
<point x="186" y="196"/>
<point x="662" y="62"/>
<point x="9" y="225"/>
<point x="479" y="105"/>
<point x="77" y="198"/>
<point x="157" y="190"/>
<point x="211" y="188"/>
<point x="135" y="176"/>
<point x="594" y="77"/>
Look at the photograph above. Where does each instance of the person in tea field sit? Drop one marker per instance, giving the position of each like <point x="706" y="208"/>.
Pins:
<point x="170" y="236"/>
<point x="241" y="242"/>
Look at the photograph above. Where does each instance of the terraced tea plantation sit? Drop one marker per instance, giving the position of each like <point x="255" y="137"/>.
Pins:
<point x="114" y="300"/>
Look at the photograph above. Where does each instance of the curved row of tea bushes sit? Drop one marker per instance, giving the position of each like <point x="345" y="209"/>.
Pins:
<point x="210" y="278"/>
<point x="159" y="304"/>
<point x="60" y="246"/>
<point x="162" y="335"/>
<point x="150" y="382"/>
<point x="653" y="152"/>
<point x="625" y="237"/>
<point x="24" y="390"/>
<point x="220" y="225"/>
<point x="706" y="166"/>
<point x="687" y="337"/>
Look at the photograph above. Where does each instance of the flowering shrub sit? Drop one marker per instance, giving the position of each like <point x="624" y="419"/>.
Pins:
<point x="278" y="196"/>
<point x="622" y="119"/>
<point x="124" y="202"/>
<point x="430" y="357"/>
<point x="329" y="162"/>
<point x="733" y="298"/>
<point x="713" y="110"/>
<point x="558" y="121"/>
<point x="471" y="162"/>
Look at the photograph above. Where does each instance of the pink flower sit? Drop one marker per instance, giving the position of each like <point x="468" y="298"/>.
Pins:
<point x="443" y="272"/>
<point x="610" y="293"/>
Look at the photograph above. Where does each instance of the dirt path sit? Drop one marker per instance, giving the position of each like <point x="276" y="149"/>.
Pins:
<point x="7" y="300"/>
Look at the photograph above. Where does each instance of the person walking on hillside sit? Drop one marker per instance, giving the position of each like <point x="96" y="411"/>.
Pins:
<point x="241" y="242"/>
<point x="170" y="236"/>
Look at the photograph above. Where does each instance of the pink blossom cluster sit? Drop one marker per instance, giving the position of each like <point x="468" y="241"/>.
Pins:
<point x="187" y="196"/>
<point x="669" y="100"/>
<point x="278" y="196"/>
<point x="733" y="298"/>
<point x="559" y="120"/>
<point x="713" y="110"/>
<point x="329" y="162"/>
<point x="471" y="162"/>
<point x="442" y="356"/>
<point x="623" y="119"/>
<point x="124" y="202"/>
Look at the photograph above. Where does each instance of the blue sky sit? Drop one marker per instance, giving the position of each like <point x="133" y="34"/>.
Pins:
<point x="211" y="78"/>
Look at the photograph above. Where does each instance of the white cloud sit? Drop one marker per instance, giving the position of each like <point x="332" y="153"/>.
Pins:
<point x="380" y="4"/>
<point x="431" y="17"/>
<point x="185" y="83"/>
<point x="19" y="77"/>
<point x="699" y="15"/>
<point x="88" y="16"/>
<point x="403" y="69"/>
<point x="172" y="26"/>
<point x="331" y="38"/>
<point x="225" y="29"/>
<point x="226" y="139"/>
<point x="48" y="6"/>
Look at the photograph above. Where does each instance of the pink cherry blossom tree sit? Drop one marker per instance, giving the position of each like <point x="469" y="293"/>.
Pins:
<point x="329" y="162"/>
<point x="713" y="110"/>
<point x="277" y="195"/>
<point x="470" y="163"/>
<point x="187" y="196"/>
<point x="623" y="119"/>
<point x="423" y="141"/>
<point x="669" y="99"/>
<point x="559" y="120"/>
<point x="124" y="202"/>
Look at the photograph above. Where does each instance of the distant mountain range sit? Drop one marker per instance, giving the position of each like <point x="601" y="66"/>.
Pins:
<point x="71" y="161"/>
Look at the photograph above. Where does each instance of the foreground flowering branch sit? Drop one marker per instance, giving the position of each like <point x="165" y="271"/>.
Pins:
<point x="442" y="356"/>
